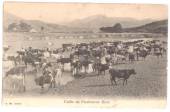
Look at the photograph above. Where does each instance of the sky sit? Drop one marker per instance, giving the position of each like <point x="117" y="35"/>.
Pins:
<point x="62" y="12"/>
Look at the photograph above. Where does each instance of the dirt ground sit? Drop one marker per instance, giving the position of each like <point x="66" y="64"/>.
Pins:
<point x="150" y="80"/>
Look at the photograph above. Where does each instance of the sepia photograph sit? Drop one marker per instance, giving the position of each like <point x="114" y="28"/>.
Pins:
<point x="84" y="54"/>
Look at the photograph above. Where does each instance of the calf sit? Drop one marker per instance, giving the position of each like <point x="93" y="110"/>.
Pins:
<point x="102" y="68"/>
<point x="125" y="74"/>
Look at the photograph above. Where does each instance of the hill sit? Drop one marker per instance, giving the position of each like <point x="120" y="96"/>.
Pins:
<point x="9" y="19"/>
<point x="17" y="24"/>
<point x="153" y="27"/>
<point x="85" y="25"/>
<point x="97" y="21"/>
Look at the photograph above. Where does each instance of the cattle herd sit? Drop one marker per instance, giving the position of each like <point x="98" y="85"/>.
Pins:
<point x="83" y="57"/>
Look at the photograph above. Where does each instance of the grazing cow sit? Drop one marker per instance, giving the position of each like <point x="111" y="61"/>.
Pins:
<point x="125" y="74"/>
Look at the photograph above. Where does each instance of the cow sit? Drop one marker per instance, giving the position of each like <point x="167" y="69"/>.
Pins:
<point x="63" y="61"/>
<point x="143" y="54"/>
<point x="158" y="51"/>
<point x="125" y="74"/>
<point x="16" y="78"/>
<point x="14" y="83"/>
<point x="131" y="57"/>
<point x="102" y="68"/>
<point x="15" y="59"/>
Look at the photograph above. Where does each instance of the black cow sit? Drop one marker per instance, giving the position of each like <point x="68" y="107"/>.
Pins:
<point x="131" y="57"/>
<point x="125" y="74"/>
<point x="102" y="68"/>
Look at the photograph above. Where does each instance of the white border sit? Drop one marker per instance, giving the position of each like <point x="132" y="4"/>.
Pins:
<point x="24" y="109"/>
<point x="100" y="1"/>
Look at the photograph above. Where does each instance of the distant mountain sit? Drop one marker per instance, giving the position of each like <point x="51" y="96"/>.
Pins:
<point x="86" y="25"/>
<point x="153" y="27"/>
<point x="14" y="23"/>
<point x="97" y="21"/>
<point x="17" y="24"/>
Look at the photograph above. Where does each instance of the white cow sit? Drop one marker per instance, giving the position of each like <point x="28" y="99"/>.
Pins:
<point x="7" y="65"/>
<point x="13" y="83"/>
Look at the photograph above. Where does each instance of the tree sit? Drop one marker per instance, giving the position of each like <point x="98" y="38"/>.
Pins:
<point x="117" y="28"/>
<point x="12" y="26"/>
<point x="42" y="28"/>
<point x="24" y="26"/>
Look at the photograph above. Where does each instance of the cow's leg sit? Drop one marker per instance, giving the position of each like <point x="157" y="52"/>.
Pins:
<point x="85" y="67"/>
<point x="63" y="66"/>
<point x="93" y="69"/>
<point x="98" y="72"/>
<point x="54" y="83"/>
<point x="51" y="84"/>
<point x="77" y="70"/>
<point x="111" y="81"/>
<point x="73" y="71"/>
<point x="126" y="81"/>
<point x="123" y="81"/>
<point x="42" y="88"/>
<point x="161" y="54"/>
<point x="114" y="81"/>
